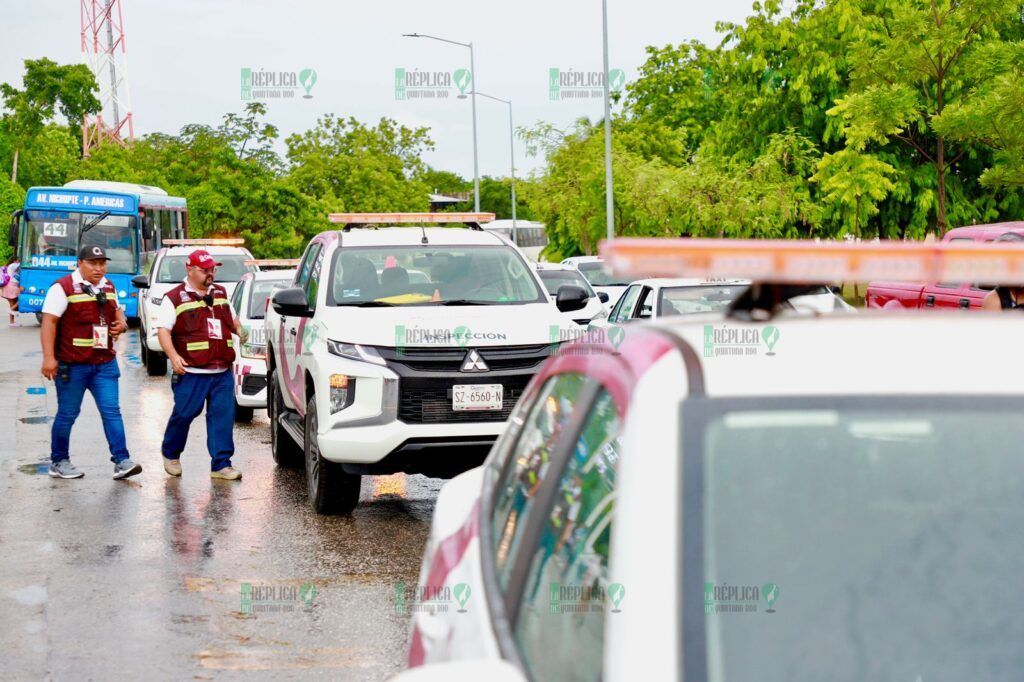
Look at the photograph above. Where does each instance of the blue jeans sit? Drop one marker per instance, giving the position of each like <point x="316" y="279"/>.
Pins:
<point x="73" y="379"/>
<point x="191" y="392"/>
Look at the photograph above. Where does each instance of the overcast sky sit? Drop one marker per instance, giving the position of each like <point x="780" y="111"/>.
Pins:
<point x="185" y="58"/>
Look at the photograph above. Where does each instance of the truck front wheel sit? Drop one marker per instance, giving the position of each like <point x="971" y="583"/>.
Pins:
<point x="331" y="490"/>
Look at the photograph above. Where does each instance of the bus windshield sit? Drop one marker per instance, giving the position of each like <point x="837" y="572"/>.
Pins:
<point x="51" y="240"/>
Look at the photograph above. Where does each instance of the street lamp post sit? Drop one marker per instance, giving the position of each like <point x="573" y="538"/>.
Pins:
<point x="472" y="73"/>
<point x="609" y="185"/>
<point x="512" y="157"/>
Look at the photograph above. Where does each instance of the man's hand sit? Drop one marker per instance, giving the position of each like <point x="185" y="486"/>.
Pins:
<point x="119" y="327"/>
<point x="178" y="364"/>
<point x="49" y="368"/>
<point x="243" y="334"/>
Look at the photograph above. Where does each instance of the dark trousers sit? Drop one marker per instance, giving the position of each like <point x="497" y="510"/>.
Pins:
<point x="191" y="393"/>
<point x="73" y="380"/>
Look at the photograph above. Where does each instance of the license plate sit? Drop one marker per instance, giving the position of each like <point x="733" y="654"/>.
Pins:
<point x="467" y="397"/>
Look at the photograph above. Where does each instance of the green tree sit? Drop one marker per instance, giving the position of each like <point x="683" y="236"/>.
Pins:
<point x="349" y="166"/>
<point x="48" y="88"/>
<point x="911" y="60"/>
<point x="12" y="197"/>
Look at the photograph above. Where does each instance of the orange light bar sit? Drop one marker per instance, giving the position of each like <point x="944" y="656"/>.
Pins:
<point x="275" y="262"/>
<point x="808" y="262"/>
<point x="204" y="242"/>
<point x="409" y="218"/>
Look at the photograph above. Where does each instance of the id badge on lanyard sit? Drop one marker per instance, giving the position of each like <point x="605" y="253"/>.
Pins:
<point x="214" y="329"/>
<point x="100" y="336"/>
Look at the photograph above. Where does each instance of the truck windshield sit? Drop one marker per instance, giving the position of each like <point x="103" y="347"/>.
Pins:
<point x="862" y="539"/>
<point x="553" y="279"/>
<point x="432" y="275"/>
<point x="598" y="275"/>
<point x="50" y="240"/>
<point x="172" y="268"/>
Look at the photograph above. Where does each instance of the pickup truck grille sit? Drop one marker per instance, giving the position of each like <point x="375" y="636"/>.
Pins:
<point x="498" y="358"/>
<point x="429" y="401"/>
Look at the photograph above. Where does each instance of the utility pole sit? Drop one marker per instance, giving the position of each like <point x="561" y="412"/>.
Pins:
<point x="105" y="51"/>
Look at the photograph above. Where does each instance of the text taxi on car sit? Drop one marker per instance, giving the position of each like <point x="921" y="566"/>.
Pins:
<point x="250" y="301"/>
<point x="402" y="347"/>
<point x="759" y="494"/>
<point x="167" y="271"/>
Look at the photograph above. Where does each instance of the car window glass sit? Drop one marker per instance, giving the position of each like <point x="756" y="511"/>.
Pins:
<point x="236" y="300"/>
<point x="560" y="627"/>
<point x="307" y="264"/>
<point x="624" y="308"/>
<point x="529" y="462"/>
<point x="313" y="286"/>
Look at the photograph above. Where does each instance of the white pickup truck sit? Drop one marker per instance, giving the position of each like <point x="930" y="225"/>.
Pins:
<point x="403" y="349"/>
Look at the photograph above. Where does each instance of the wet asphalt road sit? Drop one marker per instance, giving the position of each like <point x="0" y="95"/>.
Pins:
<point x="104" y="579"/>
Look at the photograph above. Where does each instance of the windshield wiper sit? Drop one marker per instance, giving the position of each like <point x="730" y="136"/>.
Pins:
<point x="466" y="301"/>
<point x="366" y="304"/>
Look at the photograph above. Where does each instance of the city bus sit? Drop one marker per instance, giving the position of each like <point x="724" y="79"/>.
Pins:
<point x="130" y="221"/>
<point x="530" y="236"/>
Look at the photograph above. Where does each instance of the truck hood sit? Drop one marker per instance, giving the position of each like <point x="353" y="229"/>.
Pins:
<point x="440" y="326"/>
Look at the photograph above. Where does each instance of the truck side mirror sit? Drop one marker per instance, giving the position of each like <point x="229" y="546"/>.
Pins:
<point x="571" y="297"/>
<point x="291" y="303"/>
<point x="140" y="281"/>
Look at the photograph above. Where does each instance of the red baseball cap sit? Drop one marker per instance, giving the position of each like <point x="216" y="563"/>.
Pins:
<point x="202" y="259"/>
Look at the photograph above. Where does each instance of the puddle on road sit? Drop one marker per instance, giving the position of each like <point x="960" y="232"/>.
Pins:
<point x="39" y="468"/>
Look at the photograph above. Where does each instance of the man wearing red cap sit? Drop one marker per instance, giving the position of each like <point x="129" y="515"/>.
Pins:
<point x="194" y="327"/>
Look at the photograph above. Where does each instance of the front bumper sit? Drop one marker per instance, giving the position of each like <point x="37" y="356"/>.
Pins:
<point x="402" y="419"/>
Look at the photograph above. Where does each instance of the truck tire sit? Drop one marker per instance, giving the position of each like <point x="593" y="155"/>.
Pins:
<point x="243" y="415"/>
<point x="286" y="452"/>
<point x="156" y="363"/>
<point x="331" y="490"/>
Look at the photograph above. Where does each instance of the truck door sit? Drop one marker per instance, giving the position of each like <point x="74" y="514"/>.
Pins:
<point x="292" y="331"/>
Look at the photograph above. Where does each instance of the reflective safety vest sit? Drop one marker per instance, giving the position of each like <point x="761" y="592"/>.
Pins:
<point x="77" y="336"/>
<point x="202" y="327"/>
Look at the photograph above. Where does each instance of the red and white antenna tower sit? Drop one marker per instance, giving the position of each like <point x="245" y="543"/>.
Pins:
<point x="103" y="46"/>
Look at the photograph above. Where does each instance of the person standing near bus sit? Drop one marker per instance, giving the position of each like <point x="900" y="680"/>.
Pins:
<point x="10" y="280"/>
<point x="81" y="321"/>
<point x="194" y="327"/>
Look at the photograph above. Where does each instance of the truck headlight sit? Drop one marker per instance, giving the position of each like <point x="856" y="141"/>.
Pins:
<point x="343" y="392"/>
<point x="353" y="351"/>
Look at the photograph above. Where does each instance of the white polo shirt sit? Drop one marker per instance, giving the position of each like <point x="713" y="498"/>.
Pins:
<point x="56" y="301"/>
<point x="168" y="316"/>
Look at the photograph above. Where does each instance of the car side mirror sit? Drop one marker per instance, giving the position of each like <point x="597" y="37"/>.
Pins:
<point x="602" y="296"/>
<point x="571" y="297"/>
<point x="291" y="303"/>
<point x="140" y="281"/>
<point x="838" y="291"/>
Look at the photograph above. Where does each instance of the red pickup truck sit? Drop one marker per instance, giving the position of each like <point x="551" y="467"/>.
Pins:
<point x="907" y="295"/>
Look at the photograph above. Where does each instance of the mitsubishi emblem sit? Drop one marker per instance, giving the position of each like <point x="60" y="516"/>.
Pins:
<point x="474" y="363"/>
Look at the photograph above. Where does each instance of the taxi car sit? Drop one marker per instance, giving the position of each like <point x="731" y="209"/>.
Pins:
<point x="715" y="497"/>
<point x="168" y="271"/>
<point x="249" y="301"/>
